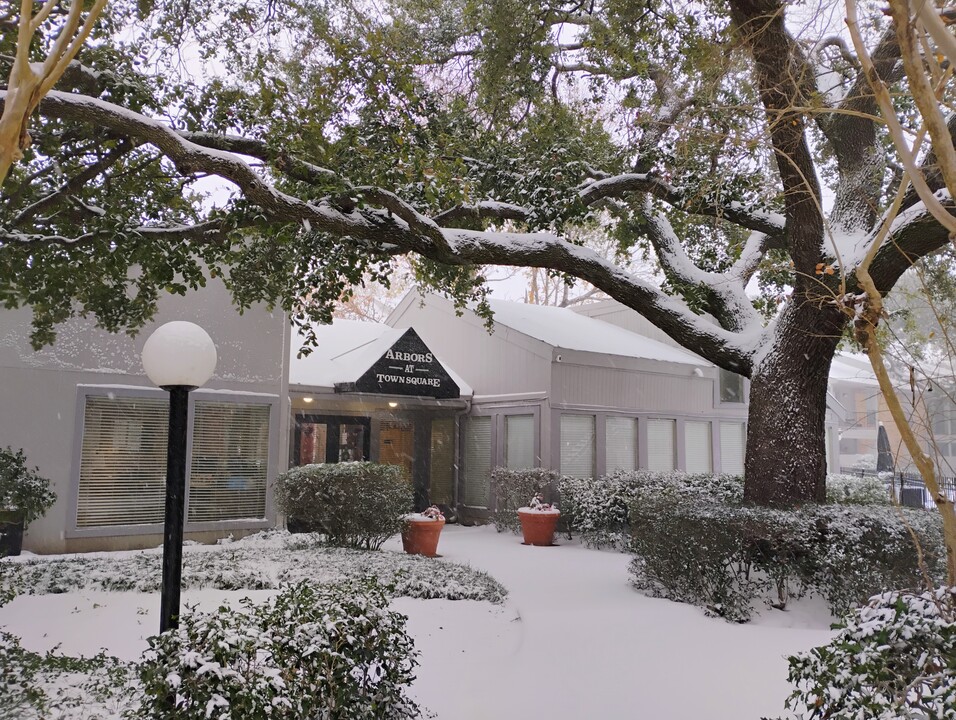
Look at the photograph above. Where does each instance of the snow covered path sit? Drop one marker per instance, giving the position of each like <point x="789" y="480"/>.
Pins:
<point x="575" y="641"/>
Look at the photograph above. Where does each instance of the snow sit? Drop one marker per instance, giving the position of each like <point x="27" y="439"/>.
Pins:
<point x="563" y="328"/>
<point x="572" y="640"/>
<point x="853" y="367"/>
<point x="345" y="350"/>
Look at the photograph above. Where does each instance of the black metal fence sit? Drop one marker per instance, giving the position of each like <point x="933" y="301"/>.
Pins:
<point x="908" y="488"/>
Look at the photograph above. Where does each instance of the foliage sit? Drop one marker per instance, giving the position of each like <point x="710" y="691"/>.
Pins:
<point x="22" y="490"/>
<point x="265" y="561"/>
<point x="857" y="490"/>
<point x="512" y="488"/>
<point x="357" y="504"/>
<point x="701" y="545"/>
<point x="330" y="652"/>
<point x="598" y="509"/>
<point x="36" y="686"/>
<point x="894" y="657"/>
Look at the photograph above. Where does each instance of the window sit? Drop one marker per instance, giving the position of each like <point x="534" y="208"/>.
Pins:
<point x="442" y="461"/>
<point x="621" y="435"/>
<point x="230" y="461"/>
<point x="733" y="443"/>
<point x="577" y="445"/>
<point x="698" y="447"/>
<point x="661" y="445"/>
<point x="871" y="407"/>
<point x="849" y="446"/>
<point x="731" y="387"/>
<point x="477" y="460"/>
<point x="519" y="442"/>
<point x="123" y="462"/>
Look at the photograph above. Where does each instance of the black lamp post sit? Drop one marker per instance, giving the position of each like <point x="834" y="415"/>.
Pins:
<point x="178" y="357"/>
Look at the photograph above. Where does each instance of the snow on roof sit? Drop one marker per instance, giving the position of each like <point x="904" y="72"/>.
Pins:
<point x="346" y="349"/>
<point x="853" y="368"/>
<point x="566" y="329"/>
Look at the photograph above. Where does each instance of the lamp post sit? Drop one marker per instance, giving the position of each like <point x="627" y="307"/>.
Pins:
<point x="178" y="357"/>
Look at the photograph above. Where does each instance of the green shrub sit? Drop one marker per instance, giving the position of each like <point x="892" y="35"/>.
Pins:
<point x="695" y="542"/>
<point x="515" y="488"/>
<point x="332" y="652"/>
<point x="856" y="490"/>
<point x="893" y="658"/>
<point x="22" y="490"/>
<point x="357" y="504"/>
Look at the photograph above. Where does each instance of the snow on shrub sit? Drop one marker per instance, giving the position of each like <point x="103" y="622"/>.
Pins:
<point x="856" y="490"/>
<point x="355" y="504"/>
<point x="893" y="658"/>
<point x="698" y="544"/>
<point x="512" y="488"/>
<point x="597" y="509"/>
<point x="334" y="652"/>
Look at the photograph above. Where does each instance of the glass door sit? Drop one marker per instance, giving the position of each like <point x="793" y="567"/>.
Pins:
<point x="330" y="439"/>
<point x="397" y="444"/>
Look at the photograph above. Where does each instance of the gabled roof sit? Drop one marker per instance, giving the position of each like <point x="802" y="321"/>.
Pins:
<point x="850" y="367"/>
<point x="566" y="329"/>
<point x="346" y="350"/>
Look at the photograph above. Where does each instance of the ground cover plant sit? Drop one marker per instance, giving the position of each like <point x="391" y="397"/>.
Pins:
<point x="264" y="561"/>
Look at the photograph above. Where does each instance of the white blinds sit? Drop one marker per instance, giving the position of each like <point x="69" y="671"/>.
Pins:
<point x="519" y="441"/>
<point x="661" y="456"/>
<point x="733" y="440"/>
<point x="698" y="447"/>
<point x="621" y="435"/>
<point x="477" y="459"/>
<point x="230" y="461"/>
<point x="442" y="461"/>
<point x="577" y="445"/>
<point x="122" y="462"/>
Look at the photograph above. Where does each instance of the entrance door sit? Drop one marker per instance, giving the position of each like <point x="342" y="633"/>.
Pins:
<point x="322" y="439"/>
<point x="397" y="445"/>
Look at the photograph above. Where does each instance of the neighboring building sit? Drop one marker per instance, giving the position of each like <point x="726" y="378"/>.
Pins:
<point x="88" y="417"/>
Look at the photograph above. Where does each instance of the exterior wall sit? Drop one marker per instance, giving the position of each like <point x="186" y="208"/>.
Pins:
<point x="492" y="364"/>
<point x="39" y="394"/>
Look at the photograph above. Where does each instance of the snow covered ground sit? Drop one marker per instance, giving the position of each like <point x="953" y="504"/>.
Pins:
<point x="572" y="640"/>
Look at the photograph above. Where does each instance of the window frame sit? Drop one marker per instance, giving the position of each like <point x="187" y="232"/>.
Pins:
<point x="128" y="391"/>
<point x="719" y="402"/>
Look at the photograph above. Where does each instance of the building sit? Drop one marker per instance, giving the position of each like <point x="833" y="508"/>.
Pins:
<point x="85" y="413"/>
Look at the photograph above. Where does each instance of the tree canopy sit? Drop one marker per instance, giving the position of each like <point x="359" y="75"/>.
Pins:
<point x="711" y="136"/>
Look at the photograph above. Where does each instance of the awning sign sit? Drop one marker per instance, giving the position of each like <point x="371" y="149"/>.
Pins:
<point x="406" y="368"/>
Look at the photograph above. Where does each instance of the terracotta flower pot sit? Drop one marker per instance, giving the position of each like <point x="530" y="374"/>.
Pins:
<point x="420" y="536"/>
<point x="538" y="527"/>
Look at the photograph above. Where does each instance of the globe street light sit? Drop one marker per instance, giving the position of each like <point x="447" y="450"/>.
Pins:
<point x="178" y="357"/>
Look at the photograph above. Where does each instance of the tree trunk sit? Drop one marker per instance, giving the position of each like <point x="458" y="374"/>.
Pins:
<point x="786" y="451"/>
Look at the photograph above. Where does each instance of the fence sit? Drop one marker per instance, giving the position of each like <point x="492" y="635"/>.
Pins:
<point x="908" y="488"/>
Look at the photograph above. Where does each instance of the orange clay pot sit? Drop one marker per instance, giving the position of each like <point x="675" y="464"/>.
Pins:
<point x="538" y="527"/>
<point x="420" y="537"/>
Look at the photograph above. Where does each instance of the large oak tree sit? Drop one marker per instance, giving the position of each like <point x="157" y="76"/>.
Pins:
<point x="462" y="133"/>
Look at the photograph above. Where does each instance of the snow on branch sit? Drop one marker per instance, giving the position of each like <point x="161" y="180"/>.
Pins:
<point x="630" y="183"/>
<point x="481" y="210"/>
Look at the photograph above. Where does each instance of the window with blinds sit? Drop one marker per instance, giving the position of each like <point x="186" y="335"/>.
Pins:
<point x="442" y="461"/>
<point x="230" y="461"/>
<point x="519" y="442"/>
<point x="477" y="461"/>
<point x="733" y="441"/>
<point x="621" y="441"/>
<point x="122" y="462"/>
<point x="577" y="445"/>
<point x="661" y="445"/>
<point x="698" y="447"/>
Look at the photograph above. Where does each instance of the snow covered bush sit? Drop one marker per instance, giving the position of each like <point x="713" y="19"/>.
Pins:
<point x="22" y="490"/>
<point x="856" y="490"/>
<point x="698" y="543"/>
<point x="893" y="658"/>
<point x="355" y="504"/>
<point x="598" y="509"/>
<point x="331" y="652"/>
<point x="512" y="488"/>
